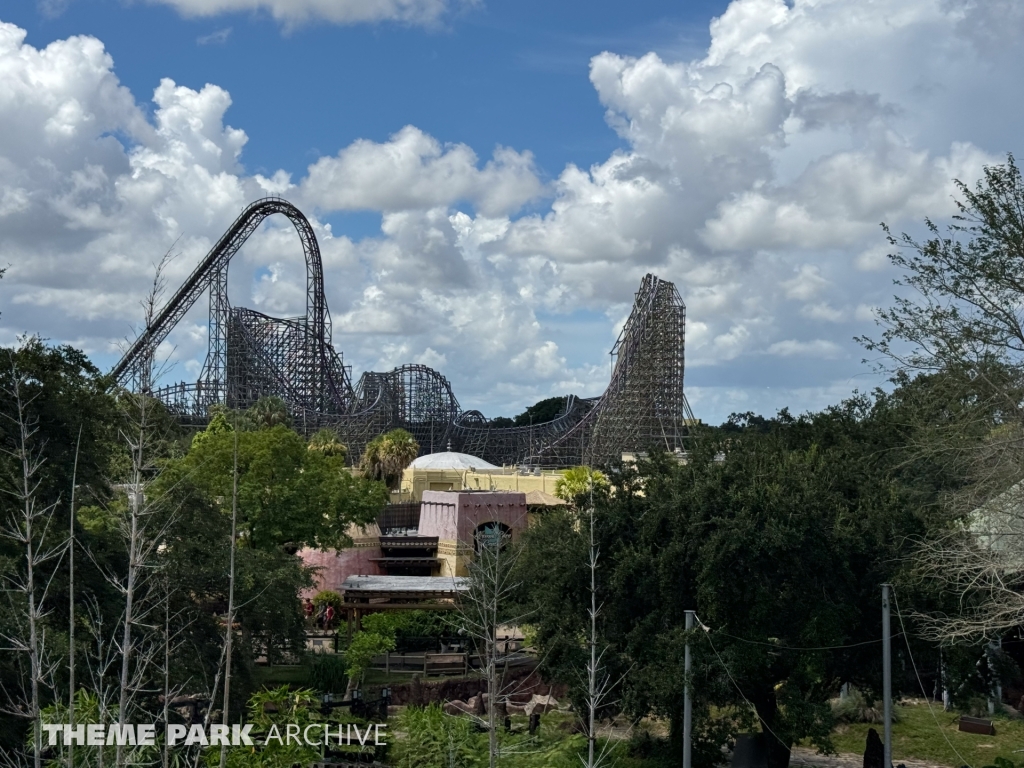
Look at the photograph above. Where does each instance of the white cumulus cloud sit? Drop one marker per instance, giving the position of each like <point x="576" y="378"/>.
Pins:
<point x="413" y="170"/>
<point x="293" y="13"/>
<point x="754" y="177"/>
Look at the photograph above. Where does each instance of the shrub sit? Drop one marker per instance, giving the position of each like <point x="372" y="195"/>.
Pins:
<point x="436" y="740"/>
<point x="855" y="709"/>
<point x="326" y="672"/>
<point x="329" y="597"/>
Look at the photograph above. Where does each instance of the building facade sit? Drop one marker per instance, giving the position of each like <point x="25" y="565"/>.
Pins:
<point x="435" y="537"/>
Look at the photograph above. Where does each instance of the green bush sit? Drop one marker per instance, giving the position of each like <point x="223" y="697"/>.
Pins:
<point x="326" y="672"/>
<point x="1002" y="762"/>
<point x="328" y="597"/>
<point x="856" y="709"/>
<point x="433" y="739"/>
<point x="422" y="631"/>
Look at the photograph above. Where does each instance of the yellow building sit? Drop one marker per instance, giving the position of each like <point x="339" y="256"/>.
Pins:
<point x="450" y="471"/>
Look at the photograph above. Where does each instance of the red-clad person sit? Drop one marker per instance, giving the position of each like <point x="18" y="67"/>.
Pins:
<point x="329" y="617"/>
<point x="308" y="609"/>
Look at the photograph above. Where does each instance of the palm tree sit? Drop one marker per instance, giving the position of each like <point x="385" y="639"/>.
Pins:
<point x="326" y="442"/>
<point x="579" y="481"/>
<point x="387" y="455"/>
<point x="268" y="412"/>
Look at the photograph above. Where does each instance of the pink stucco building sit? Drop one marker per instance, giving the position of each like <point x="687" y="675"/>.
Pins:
<point x="436" y="539"/>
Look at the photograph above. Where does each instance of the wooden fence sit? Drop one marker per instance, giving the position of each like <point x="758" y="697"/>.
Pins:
<point x="442" y="663"/>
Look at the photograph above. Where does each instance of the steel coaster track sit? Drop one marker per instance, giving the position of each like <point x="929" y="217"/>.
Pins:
<point x="251" y="355"/>
<point x="211" y="275"/>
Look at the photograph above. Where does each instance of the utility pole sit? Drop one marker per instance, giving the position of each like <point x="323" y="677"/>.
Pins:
<point x="886" y="676"/>
<point x="687" y="697"/>
<point x="229" y="635"/>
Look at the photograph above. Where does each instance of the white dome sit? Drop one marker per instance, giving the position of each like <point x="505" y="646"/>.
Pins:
<point x="450" y="460"/>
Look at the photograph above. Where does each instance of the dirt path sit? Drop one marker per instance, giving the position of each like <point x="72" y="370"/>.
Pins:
<point x="805" y="756"/>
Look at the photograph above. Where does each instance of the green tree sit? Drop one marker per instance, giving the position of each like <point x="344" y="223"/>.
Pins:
<point x="387" y="455"/>
<point x="288" y="495"/>
<point x="64" y="396"/>
<point x="220" y="422"/>
<point x="66" y="393"/>
<point x="576" y="484"/>
<point x="959" y="317"/>
<point x="376" y="637"/>
<point x="777" y="535"/>
<point x="326" y="442"/>
<point x="540" y="412"/>
<point x="965" y="284"/>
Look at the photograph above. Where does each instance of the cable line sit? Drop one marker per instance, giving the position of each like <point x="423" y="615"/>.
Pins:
<point x="899" y="616"/>
<point x="795" y="647"/>
<point x="735" y="685"/>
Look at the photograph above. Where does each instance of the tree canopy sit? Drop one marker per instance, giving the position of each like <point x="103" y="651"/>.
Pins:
<point x="387" y="455"/>
<point x="540" y="412"/>
<point x="287" y="493"/>
<point x="960" y="317"/>
<point x="778" y="533"/>
<point x="577" y="483"/>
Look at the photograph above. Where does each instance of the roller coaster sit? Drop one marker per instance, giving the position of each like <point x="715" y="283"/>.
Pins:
<point x="251" y="355"/>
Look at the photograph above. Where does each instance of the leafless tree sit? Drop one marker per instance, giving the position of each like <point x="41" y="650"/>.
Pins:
<point x="960" y="316"/>
<point x="599" y="683"/>
<point x="484" y="608"/>
<point x="71" y="595"/>
<point x="980" y="561"/>
<point x="29" y="526"/>
<point x="141" y="527"/>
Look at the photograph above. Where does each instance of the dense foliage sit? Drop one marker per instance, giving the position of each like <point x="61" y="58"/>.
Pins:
<point x="290" y="495"/>
<point x="540" y="412"/>
<point x="778" y="533"/>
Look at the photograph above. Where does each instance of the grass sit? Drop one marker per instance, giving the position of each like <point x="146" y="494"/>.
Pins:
<point x="915" y="737"/>
<point x="284" y="674"/>
<point x="918" y="737"/>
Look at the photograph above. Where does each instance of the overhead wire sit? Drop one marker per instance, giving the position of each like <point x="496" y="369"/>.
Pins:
<point x="903" y="632"/>
<point x="798" y="648"/>
<point x="899" y="615"/>
<point x="707" y="633"/>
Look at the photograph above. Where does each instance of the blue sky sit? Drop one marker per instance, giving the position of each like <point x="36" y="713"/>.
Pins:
<point x="490" y="181"/>
<point x="513" y="74"/>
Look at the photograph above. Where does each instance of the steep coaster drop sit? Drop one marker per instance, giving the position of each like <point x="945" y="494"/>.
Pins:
<point x="251" y="355"/>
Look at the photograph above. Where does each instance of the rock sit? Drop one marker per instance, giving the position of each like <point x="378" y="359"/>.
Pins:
<point x="477" y="704"/>
<point x="541" y="705"/>
<point x="458" y="707"/>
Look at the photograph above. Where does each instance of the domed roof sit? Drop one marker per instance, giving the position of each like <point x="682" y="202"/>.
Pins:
<point x="450" y="460"/>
